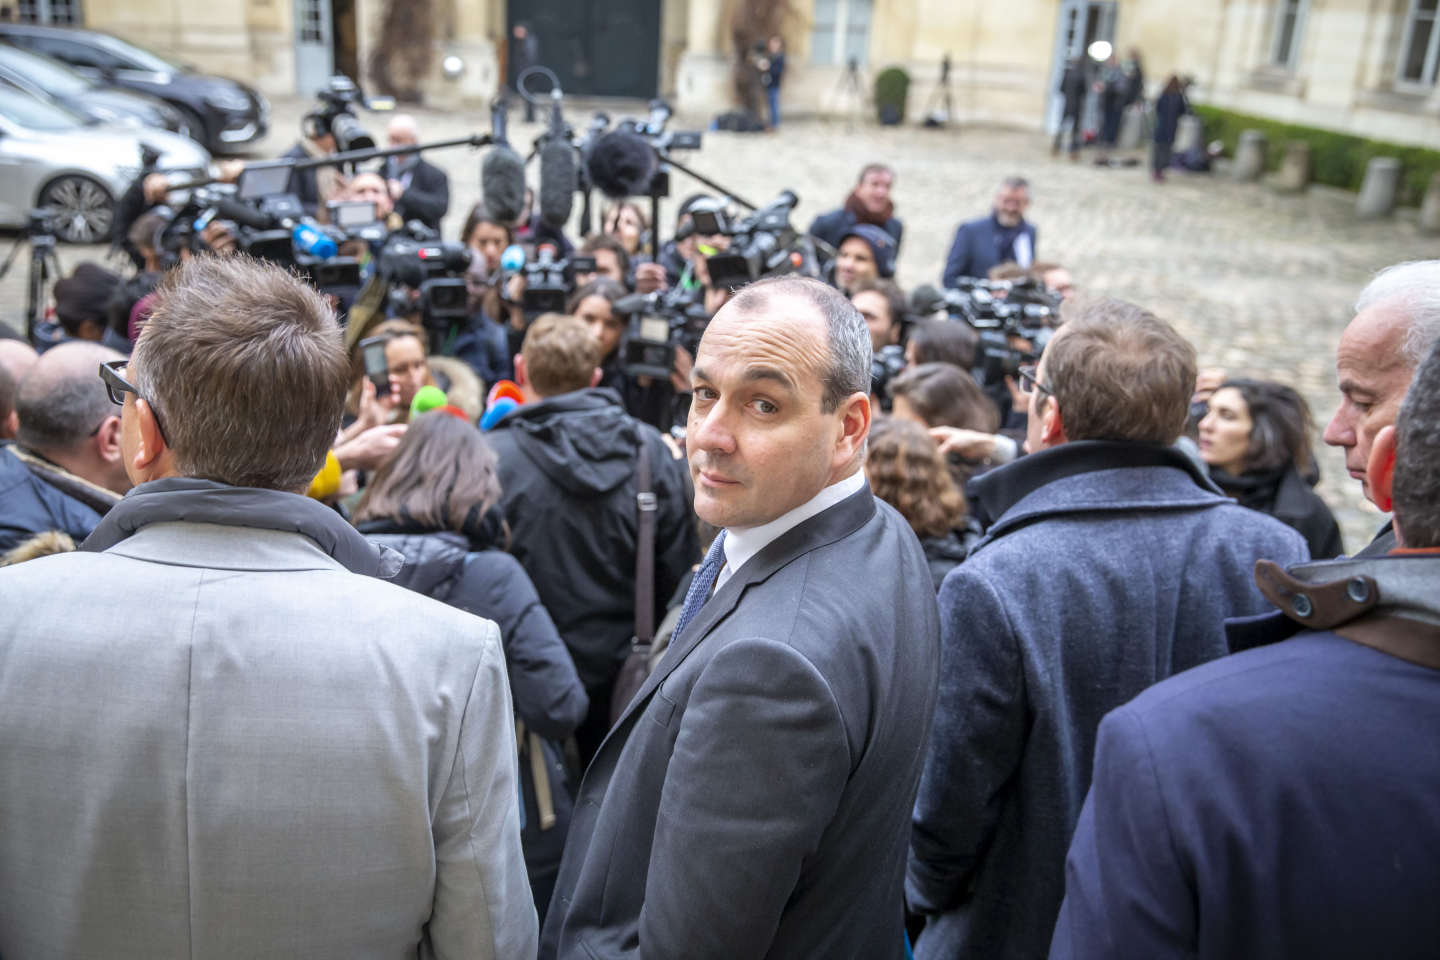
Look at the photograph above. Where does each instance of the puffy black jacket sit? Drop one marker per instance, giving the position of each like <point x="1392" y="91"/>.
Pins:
<point x="466" y="573"/>
<point x="944" y="554"/>
<point x="567" y="466"/>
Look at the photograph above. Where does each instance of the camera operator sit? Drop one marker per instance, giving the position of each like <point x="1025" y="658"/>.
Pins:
<point x="421" y="190"/>
<point x="868" y="203"/>
<point x="647" y="399"/>
<point x="866" y="254"/>
<point x="986" y="241"/>
<point x="882" y="304"/>
<point x="676" y="253"/>
<point x="627" y="223"/>
<point x="489" y="238"/>
<point x="611" y="260"/>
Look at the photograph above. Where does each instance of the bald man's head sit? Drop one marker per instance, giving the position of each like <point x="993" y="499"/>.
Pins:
<point x="62" y="399"/>
<point x="18" y="357"/>
<point x="402" y="130"/>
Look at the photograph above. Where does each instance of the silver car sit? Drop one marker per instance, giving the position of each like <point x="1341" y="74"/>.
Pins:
<point x="54" y="159"/>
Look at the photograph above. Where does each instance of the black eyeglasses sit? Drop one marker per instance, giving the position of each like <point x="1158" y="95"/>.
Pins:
<point x="117" y="386"/>
<point x="1028" y="383"/>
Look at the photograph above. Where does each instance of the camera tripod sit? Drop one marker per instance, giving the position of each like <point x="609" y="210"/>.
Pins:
<point x="44" y="268"/>
<point x="851" y="90"/>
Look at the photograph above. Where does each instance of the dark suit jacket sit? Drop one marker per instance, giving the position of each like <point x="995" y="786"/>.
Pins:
<point x="972" y="252"/>
<point x="427" y="199"/>
<point x="1276" y="803"/>
<point x="754" y="799"/>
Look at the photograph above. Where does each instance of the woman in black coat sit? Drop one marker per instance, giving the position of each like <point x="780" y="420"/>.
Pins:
<point x="1255" y="437"/>
<point x="1170" y="106"/>
<point x="435" y="501"/>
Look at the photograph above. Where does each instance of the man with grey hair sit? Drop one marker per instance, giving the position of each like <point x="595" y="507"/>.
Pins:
<point x="753" y="799"/>
<point x="66" y="469"/>
<point x="221" y="733"/>
<point x="1002" y="237"/>
<point x="1281" y="802"/>
<point x="1397" y="320"/>
<point x="421" y="190"/>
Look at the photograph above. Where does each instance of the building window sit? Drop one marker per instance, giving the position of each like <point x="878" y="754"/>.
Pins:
<point x="1289" y="25"/>
<point x="49" y="11"/>
<point x="312" y="23"/>
<point x="1419" y="46"/>
<point x="841" y="33"/>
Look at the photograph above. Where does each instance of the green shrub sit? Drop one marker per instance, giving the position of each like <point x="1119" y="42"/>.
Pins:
<point x="892" y="87"/>
<point x="1336" y="159"/>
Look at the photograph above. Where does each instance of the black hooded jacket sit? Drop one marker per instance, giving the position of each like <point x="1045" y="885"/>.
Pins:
<point x="567" y="466"/>
<point x="468" y="572"/>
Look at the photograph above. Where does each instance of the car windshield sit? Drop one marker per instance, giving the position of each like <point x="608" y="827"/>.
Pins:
<point x="140" y="59"/>
<point x="49" y="75"/>
<point x="24" y="110"/>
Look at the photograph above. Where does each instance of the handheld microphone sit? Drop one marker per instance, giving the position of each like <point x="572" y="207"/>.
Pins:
<point x="513" y="259"/>
<point x="621" y="164"/>
<point x="502" y="181"/>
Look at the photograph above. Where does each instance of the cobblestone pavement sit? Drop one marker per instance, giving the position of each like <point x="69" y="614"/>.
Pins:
<point x="1261" y="283"/>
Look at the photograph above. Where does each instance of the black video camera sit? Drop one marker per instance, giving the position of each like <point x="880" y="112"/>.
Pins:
<point x="659" y="322"/>
<point x="549" y="282"/>
<point x="425" y="276"/>
<point x="761" y="245"/>
<point x="336" y="115"/>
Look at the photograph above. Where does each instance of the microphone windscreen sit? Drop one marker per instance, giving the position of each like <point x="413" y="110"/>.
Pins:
<point x="621" y="164"/>
<point x="925" y="299"/>
<point x="502" y="180"/>
<point x="427" y="398"/>
<point x="557" y="182"/>
<point x="513" y="258"/>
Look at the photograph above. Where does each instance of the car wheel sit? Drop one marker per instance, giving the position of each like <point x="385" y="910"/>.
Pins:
<point x="82" y="211"/>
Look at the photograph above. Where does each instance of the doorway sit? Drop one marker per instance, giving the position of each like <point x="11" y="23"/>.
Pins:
<point x="325" y="43"/>
<point x="609" y="49"/>
<point x="1081" y="23"/>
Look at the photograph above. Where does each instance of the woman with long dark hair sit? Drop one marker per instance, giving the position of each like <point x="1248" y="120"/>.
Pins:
<point x="1255" y="438"/>
<point x="436" y="501"/>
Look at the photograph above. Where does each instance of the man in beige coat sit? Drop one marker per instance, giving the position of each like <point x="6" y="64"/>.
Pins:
<point x="220" y="734"/>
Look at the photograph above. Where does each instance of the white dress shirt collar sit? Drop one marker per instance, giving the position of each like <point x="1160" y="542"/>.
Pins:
<point x="742" y="543"/>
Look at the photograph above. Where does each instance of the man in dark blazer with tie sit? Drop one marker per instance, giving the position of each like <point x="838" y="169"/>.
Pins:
<point x="1002" y="237"/>
<point x="421" y="190"/>
<point x="753" y="800"/>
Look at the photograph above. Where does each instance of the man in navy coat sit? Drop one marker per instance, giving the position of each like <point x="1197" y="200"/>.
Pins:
<point x="1002" y="237"/>
<point x="1281" y="802"/>
<point x="1112" y="564"/>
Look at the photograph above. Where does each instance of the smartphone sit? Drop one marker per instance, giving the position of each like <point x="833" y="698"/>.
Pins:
<point x="376" y="368"/>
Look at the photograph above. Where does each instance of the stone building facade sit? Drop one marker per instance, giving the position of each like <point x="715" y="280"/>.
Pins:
<point x="1366" y="67"/>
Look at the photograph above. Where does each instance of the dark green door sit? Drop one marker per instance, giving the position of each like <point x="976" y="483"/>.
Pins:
<point x="609" y="48"/>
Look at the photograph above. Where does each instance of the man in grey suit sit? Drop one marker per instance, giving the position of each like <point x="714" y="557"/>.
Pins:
<point x="753" y="801"/>
<point x="220" y="735"/>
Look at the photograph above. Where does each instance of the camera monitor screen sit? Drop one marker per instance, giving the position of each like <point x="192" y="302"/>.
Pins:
<point x="353" y="213"/>
<point x="263" y="180"/>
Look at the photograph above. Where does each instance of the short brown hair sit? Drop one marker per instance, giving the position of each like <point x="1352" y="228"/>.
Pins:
<point x="907" y="471"/>
<point x="559" y="353"/>
<point x="1119" y="372"/>
<point x="244" y="367"/>
<point x="890" y="290"/>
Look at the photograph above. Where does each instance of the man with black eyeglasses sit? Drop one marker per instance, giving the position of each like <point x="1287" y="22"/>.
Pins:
<point x="1110" y="563"/>
<point x="65" y="470"/>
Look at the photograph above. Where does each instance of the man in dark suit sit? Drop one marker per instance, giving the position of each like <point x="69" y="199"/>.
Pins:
<point x="421" y="190"/>
<point x="1281" y="802"/>
<point x="1002" y="237"/>
<point x="753" y="800"/>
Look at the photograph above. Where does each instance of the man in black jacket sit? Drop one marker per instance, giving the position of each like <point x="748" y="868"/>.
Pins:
<point x="868" y="203"/>
<point x="421" y="190"/>
<point x="567" y="469"/>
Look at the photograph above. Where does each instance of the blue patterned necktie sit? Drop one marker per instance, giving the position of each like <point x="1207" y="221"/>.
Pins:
<point x="699" y="590"/>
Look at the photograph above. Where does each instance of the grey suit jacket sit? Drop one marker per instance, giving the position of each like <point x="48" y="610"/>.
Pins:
<point x="217" y="741"/>
<point x="754" y="800"/>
